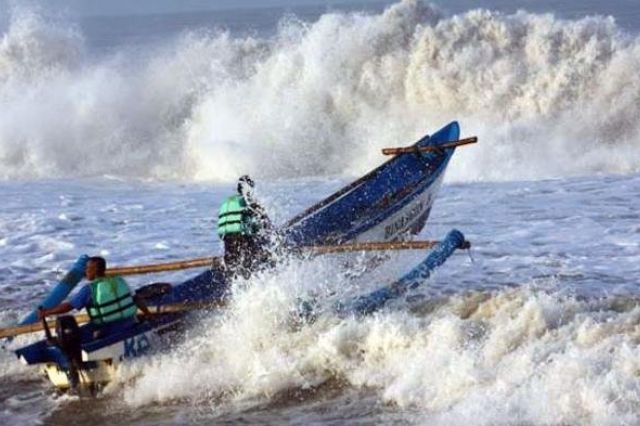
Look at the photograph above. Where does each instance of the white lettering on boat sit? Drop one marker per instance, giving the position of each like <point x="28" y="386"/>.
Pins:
<point x="406" y="219"/>
<point x="136" y="346"/>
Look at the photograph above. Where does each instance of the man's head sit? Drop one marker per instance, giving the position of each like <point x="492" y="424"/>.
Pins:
<point x="96" y="267"/>
<point x="245" y="186"/>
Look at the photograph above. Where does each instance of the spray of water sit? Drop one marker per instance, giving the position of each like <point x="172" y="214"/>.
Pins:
<point x="548" y="97"/>
<point x="517" y="356"/>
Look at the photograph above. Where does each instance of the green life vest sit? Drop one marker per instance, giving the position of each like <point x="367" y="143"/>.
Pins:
<point x="235" y="218"/>
<point x="111" y="300"/>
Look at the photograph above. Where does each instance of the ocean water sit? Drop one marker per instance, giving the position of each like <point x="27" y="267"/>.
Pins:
<point x="121" y="133"/>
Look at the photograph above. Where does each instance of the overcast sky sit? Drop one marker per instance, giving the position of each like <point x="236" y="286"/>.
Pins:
<point x="626" y="12"/>
<point x="127" y="7"/>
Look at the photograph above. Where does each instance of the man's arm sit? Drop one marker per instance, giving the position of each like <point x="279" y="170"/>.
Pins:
<point x="78" y="301"/>
<point x="261" y="215"/>
<point x="141" y="305"/>
<point x="62" y="308"/>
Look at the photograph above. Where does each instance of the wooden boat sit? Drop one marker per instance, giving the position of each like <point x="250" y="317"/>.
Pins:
<point x="390" y="202"/>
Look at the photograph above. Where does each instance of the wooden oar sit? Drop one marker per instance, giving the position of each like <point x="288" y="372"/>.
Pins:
<point x="82" y="318"/>
<point x="432" y="148"/>
<point x="163" y="267"/>
<point x="217" y="261"/>
<point x="207" y="261"/>
<point x="373" y="245"/>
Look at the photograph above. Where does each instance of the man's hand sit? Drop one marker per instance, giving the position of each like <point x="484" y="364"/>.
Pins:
<point x="62" y="308"/>
<point x="146" y="314"/>
<point x="42" y="312"/>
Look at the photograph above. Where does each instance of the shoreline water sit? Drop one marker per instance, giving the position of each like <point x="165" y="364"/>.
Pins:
<point x="537" y="325"/>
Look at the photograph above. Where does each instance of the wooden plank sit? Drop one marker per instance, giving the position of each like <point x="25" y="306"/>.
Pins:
<point x="432" y="148"/>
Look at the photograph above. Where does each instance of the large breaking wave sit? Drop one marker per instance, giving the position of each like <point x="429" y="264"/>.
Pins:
<point x="547" y="97"/>
<point x="516" y="357"/>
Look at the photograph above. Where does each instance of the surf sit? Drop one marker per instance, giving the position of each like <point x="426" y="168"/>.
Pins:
<point x="310" y="99"/>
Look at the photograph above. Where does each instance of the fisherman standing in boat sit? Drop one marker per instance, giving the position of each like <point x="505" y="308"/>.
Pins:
<point x="108" y="300"/>
<point x="244" y="227"/>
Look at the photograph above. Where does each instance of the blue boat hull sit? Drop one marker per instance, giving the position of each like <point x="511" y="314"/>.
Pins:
<point x="101" y="357"/>
<point x="395" y="199"/>
<point x="388" y="203"/>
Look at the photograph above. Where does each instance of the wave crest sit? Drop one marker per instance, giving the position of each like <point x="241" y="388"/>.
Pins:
<point x="547" y="97"/>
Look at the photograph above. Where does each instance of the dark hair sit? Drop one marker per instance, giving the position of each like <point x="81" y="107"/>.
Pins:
<point x="101" y="264"/>
<point x="245" y="179"/>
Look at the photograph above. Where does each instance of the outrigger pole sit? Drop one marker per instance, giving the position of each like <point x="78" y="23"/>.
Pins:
<point x="430" y="148"/>
<point x="314" y="250"/>
<point x="369" y="303"/>
<point x="82" y="318"/>
<point x="208" y="261"/>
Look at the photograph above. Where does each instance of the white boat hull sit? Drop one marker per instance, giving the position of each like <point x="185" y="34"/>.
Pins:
<point x="400" y="224"/>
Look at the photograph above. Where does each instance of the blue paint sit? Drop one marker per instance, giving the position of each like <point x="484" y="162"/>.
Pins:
<point x="130" y="348"/>
<point x="136" y="346"/>
<point x="142" y="345"/>
<point x="390" y="187"/>
<point x="375" y="300"/>
<point x="61" y="290"/>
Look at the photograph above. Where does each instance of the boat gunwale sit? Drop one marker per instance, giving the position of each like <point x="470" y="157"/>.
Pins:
<point x="367" y="178"/>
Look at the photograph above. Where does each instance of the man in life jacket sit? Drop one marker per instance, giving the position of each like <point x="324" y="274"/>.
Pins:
<point x="244" y="228"/>
<point x="108" y="300"/>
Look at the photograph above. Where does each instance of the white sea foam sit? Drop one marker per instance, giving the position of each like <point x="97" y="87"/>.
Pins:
<point x="546" y="96"/>
<point x="518" y="356"/>
<point x="559" y="348"/>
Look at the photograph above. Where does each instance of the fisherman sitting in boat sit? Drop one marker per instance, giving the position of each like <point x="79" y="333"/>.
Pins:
<point x="108" y="300"/>
<point x="243" y="226"/>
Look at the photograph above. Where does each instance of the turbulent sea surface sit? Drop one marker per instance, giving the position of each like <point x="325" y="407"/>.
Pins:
<point x="120" y="135"/>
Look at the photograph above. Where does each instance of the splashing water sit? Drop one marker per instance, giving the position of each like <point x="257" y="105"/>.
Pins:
<point x="521" y="356"/>
<point x="541" y="329"/>
<point x="547" y="97"/>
